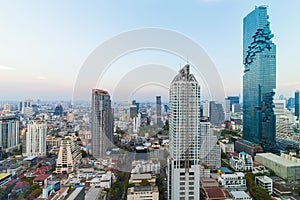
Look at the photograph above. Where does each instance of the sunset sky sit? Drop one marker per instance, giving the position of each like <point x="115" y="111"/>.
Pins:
<point x="43" y="44"/>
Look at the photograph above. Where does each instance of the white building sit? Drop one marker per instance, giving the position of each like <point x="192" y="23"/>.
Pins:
<point x="27" y="107"/>
<point x="184" y="133"/>
<point x="280" y="107"/>
<point x="226" y="146"/>
<point x="265" y="182"/>
<point x="233" y="182"/>
<point x="210" y="151"/>
<point x="242" y="163"/>
<point x="36" y="138"/>
<point x="69" y="155"/>
<point x="240" y="195"/>
<point x="143" y="193"/>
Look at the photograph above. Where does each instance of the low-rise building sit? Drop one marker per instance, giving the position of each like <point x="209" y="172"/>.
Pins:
<point x="265" y="182"/>
<point x="242" y="163"/>
<point x="226" y="146"/>
<point x="214" y="193"/>
<point x="240" y="195"/>
<point x="4" y="178"/>
<point x="143" y="193"/>
<point x="283" y="167"/>
<point x="234" y="181"/>
<point x="138" y="178"/>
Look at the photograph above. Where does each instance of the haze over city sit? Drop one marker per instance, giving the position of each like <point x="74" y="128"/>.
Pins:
<point x="44" y="44"/>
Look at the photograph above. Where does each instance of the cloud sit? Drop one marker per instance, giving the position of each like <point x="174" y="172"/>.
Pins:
<point x="41" y="78"/>
<point x="2" y="67"/>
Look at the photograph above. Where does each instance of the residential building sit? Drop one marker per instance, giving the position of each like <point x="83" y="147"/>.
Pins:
<point x="210" y="151"/>
<point x="242" y="163"/>
<point x="284" y="168"/>
<point x="265" y="182"/>
<point x="259" y="80"/>
<point x="69" y="156"/>
<point x="36" y="138"/>
<point x="233" y="182"/>
<point x="184" y="132"/>
<point x="102" y="123"/>
<point x="9" y="133"/>
<point x="143" y="193"/>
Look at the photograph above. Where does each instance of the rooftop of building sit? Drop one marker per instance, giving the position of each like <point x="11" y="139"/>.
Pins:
<point x="278" y="159"/>
<point x="41" y="177"/>
<point x="74" y="194"/>
<point x="239" y="194"/>
<point x="264" y="178"/>
<point x="141" y="176"/>
<point x="92" y="193"/>
<point x="4" y="175"/>
<point x="216" y="193"/>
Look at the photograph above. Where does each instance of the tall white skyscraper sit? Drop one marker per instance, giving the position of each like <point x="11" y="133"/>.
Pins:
<point x="36" y="138"/>
<point x="102" y="123"/>
<point x="183" y="164"/>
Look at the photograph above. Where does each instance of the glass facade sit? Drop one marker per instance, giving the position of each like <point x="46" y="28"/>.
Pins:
<point x="259" y="80"/>
<point x="297" y="103"/>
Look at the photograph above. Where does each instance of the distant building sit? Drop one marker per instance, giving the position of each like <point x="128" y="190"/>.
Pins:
<point x="58" y="110"/>
<point x="36" y="138"/>
<point x="297" y="104"/>
<point x="133" y="111"/>
<point x="69" y="156"/>
<point x="283" y="167"/>
<point x="9" y="133"/>
<point x="158" y="111"/>
<point x="27" y="107"/>
<point x="231" y="100"/>
<point x="102" y="123"/>
<point x="215" y="112"/>
<point x="142" y="193"/>
<point x="233" y="182"/>
<point x="242" y="163"/>
<point x="265" y="182"/>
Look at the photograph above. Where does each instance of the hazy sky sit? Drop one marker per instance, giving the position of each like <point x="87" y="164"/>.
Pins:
<point x="43" y="44"/>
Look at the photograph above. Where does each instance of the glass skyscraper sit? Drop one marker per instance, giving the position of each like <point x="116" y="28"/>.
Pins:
<point x="259" y="80"/>
<point x="297" y="103"/>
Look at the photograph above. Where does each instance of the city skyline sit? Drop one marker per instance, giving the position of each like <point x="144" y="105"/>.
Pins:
<point x="43" y="61"/>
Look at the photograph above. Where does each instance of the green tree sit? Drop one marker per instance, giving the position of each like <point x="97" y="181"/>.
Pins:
<point x="35" y="193"/>
<point x="250" y="180"/>
<point x="259" y="193"/>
